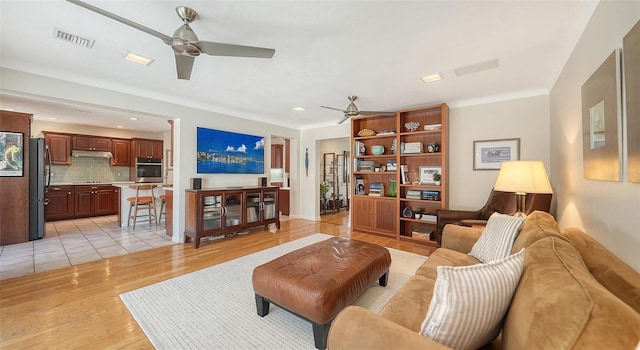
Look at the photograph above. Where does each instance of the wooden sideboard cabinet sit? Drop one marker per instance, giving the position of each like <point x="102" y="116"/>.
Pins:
<point x="227" y="211"/>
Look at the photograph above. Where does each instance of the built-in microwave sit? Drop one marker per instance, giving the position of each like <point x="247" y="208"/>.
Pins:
<point x="148" y="170"/>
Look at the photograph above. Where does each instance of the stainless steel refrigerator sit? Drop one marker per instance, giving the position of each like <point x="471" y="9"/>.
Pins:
<point x="39" y="180"/>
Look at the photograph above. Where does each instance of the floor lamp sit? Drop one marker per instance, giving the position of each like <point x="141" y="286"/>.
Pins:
<point x="523" y="177"/>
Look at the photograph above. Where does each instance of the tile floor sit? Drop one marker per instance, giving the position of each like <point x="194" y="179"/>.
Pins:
<point x="73" y="242"/>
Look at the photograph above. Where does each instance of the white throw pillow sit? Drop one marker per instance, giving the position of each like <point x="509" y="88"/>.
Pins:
<point x="469" y="302"/>
<point x="497" y="238"/>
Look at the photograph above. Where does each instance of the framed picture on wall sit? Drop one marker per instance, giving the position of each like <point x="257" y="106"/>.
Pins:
<point x="11" y="154"/>
<point x="489" y="154"/>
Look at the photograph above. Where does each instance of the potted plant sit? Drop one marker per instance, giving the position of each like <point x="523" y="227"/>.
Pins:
<point x="436" y="178"/>
<point x="417" y="213"/>
<point x="324" y="188"/>
<point x="377" y="166"/>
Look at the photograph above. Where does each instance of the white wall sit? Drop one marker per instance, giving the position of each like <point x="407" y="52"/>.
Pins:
<point x="38" y="126"/>
<point x="608" y="211"/>
<point x="523" y="118"/>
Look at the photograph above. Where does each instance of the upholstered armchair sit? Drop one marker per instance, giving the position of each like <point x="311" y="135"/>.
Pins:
<point x="501" y="202"/>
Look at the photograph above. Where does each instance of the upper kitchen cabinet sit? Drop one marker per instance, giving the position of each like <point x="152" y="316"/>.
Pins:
<point x="121" y="150"/>
<point x="89" y="143"/>
<point x="276" y="156"/>
<point x="59" y="148"/>
<point x="144" y="148"/>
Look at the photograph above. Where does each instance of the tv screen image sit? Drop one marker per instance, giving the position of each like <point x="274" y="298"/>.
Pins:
<point x="224" y="152"/>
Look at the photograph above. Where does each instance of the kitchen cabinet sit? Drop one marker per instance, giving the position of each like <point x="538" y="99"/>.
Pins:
<point x="60" y="205"/>
<point x="91" y="143"/>
<point x="121" y="150"/>
<point x="94" y="200"/>
<point x="147" y="148"/>
<point x="283" y="197"/>
<point x="276" y="156"/>
<point x="222" y="212"/>
<point x="59" y="148"/>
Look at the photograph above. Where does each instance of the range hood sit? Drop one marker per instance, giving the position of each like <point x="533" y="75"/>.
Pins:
<point x="94" y="154"/>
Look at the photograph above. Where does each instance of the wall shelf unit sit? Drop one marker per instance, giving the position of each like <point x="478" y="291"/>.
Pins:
<point x="408" y="157"/>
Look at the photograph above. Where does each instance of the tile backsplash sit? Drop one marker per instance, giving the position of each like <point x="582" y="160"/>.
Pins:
<point x="84" y="169"/>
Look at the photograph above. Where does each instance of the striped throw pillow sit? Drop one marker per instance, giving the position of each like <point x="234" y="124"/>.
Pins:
<point x="469" y="302"/>
<point x="497" y="238"/>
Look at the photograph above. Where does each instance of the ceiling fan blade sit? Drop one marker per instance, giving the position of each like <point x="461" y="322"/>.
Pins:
<point x="343" y="119"/>
<point x="184" y="65"/>
<point x="219" y="49"/>
<point x="335" y="109"/>
<point x="377" y="113"/>
<point x="165" y="38"/>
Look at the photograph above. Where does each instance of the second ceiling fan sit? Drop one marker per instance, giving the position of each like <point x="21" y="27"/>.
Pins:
<point x="185" y="43"/>
<point x="352" y="110"/>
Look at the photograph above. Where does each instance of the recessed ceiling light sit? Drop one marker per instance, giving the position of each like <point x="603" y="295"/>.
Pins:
<point x="298" y="109"/>
<point x="130" y="56"/>
<point x="120" y="126"/>
<point x="52" y="118"/>
<point x="431" y="78"/>
<point x="133" y="118"/>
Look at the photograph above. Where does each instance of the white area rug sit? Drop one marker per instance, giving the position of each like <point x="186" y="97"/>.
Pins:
<point x="215" y="308"/>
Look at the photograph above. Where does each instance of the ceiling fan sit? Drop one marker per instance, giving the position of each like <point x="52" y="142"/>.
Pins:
<point x="184" y="41"/>
<point x="353" y="111"/>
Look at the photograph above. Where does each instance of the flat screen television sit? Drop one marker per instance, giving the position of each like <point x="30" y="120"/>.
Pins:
<point x="224" y="152"/>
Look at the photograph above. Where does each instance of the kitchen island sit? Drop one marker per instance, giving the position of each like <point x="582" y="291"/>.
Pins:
<point x="125" y="191"/>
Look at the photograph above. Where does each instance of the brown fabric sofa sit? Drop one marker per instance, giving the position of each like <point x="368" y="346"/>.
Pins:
<point x="562" y="301"/>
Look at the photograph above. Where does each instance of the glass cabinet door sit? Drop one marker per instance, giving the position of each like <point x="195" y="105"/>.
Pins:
<point x="233" y="213"/>
<point x="212" y="212"/>
<point x="269" y="204"/>
<point x="253" y="206"/>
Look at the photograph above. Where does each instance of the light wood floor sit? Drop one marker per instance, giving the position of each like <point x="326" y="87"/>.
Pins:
<point x="79" y="307"/>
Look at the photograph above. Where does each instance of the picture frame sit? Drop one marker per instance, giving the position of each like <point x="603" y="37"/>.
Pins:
<point x="11" y="154"/>
<point x="426" y="174"/>
<point x="602" y="122"/>
<point x="489" y="154"/>
<point x="226" y="152"/>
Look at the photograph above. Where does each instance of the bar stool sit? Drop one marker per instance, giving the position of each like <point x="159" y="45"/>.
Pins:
<point x="141" y="203"/>
<point x="163" y="198"/>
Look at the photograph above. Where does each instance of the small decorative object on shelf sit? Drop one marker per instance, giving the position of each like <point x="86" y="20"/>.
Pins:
<point x="392" y="188"/>
<point x="411" y="126"/>
<point x="407" y="212"/>
<point x="436" y="179"/>
<point x="376" y="166"/>
<point x="417" y="213"/>
<point x="366" y="132"/>
<point x="433" y="148"/>
<point x="394" y="146"/>
<point x="386" y="132"/>
<point x="433" y="127"/>
<point x="377" y="150"/>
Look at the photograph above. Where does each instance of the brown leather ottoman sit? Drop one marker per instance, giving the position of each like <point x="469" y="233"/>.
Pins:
<point x="318" y="281"/>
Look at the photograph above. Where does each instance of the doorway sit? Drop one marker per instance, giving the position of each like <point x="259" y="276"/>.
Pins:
<point x="334" y="187"/>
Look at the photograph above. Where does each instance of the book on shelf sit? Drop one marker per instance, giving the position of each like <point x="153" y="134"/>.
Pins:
<point x="431" y="195"/>
<point x="386" y="132"/>
<point x="358" y="148"/>
<point x="433" y="127"/>
<point x="376" y="189"/>
<point x="421" y="234"/>
<point x="414" y="194"/>
<point x="412" y="147"/>
<point x="359" y="188"/>
<point x="404" y="174"/>
<point x="429" y="217"/>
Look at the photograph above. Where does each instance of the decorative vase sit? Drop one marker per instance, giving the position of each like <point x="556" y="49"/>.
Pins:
<point x="377" y="150"/>
<point x="437" y="183"/>
<point x="391" y="192"/>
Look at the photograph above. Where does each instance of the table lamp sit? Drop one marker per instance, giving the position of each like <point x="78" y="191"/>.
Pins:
<point x="523" y="177"/>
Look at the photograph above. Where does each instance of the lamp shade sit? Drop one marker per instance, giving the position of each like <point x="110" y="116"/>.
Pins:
<point x="524" y="177"/>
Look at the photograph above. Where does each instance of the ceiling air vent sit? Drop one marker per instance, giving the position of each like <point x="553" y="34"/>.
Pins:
<point x="72" y="38"/>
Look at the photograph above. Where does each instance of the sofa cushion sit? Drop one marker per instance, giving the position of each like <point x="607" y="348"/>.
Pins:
<point x="444" y="257"/>
<point x="538" y="225"/>
<point x="408" y="307"/>
<point x="609" y="270"/>
<point x="559" y="305"/>
<point x="497" y="238"/>
<point x="469" y="302"/>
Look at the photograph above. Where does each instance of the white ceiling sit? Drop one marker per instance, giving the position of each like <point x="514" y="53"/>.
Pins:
<point x="325" y="51"/>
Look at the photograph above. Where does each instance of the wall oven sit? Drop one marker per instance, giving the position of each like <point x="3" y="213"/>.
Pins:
<point x="148" y="170"/>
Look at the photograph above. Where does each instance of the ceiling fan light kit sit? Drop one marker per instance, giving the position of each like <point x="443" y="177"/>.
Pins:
<point x="352" y="110"/>
<point x="185" y="42"/>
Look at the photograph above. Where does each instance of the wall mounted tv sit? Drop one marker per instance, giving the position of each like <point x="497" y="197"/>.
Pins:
<point x="224" y="152"/>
